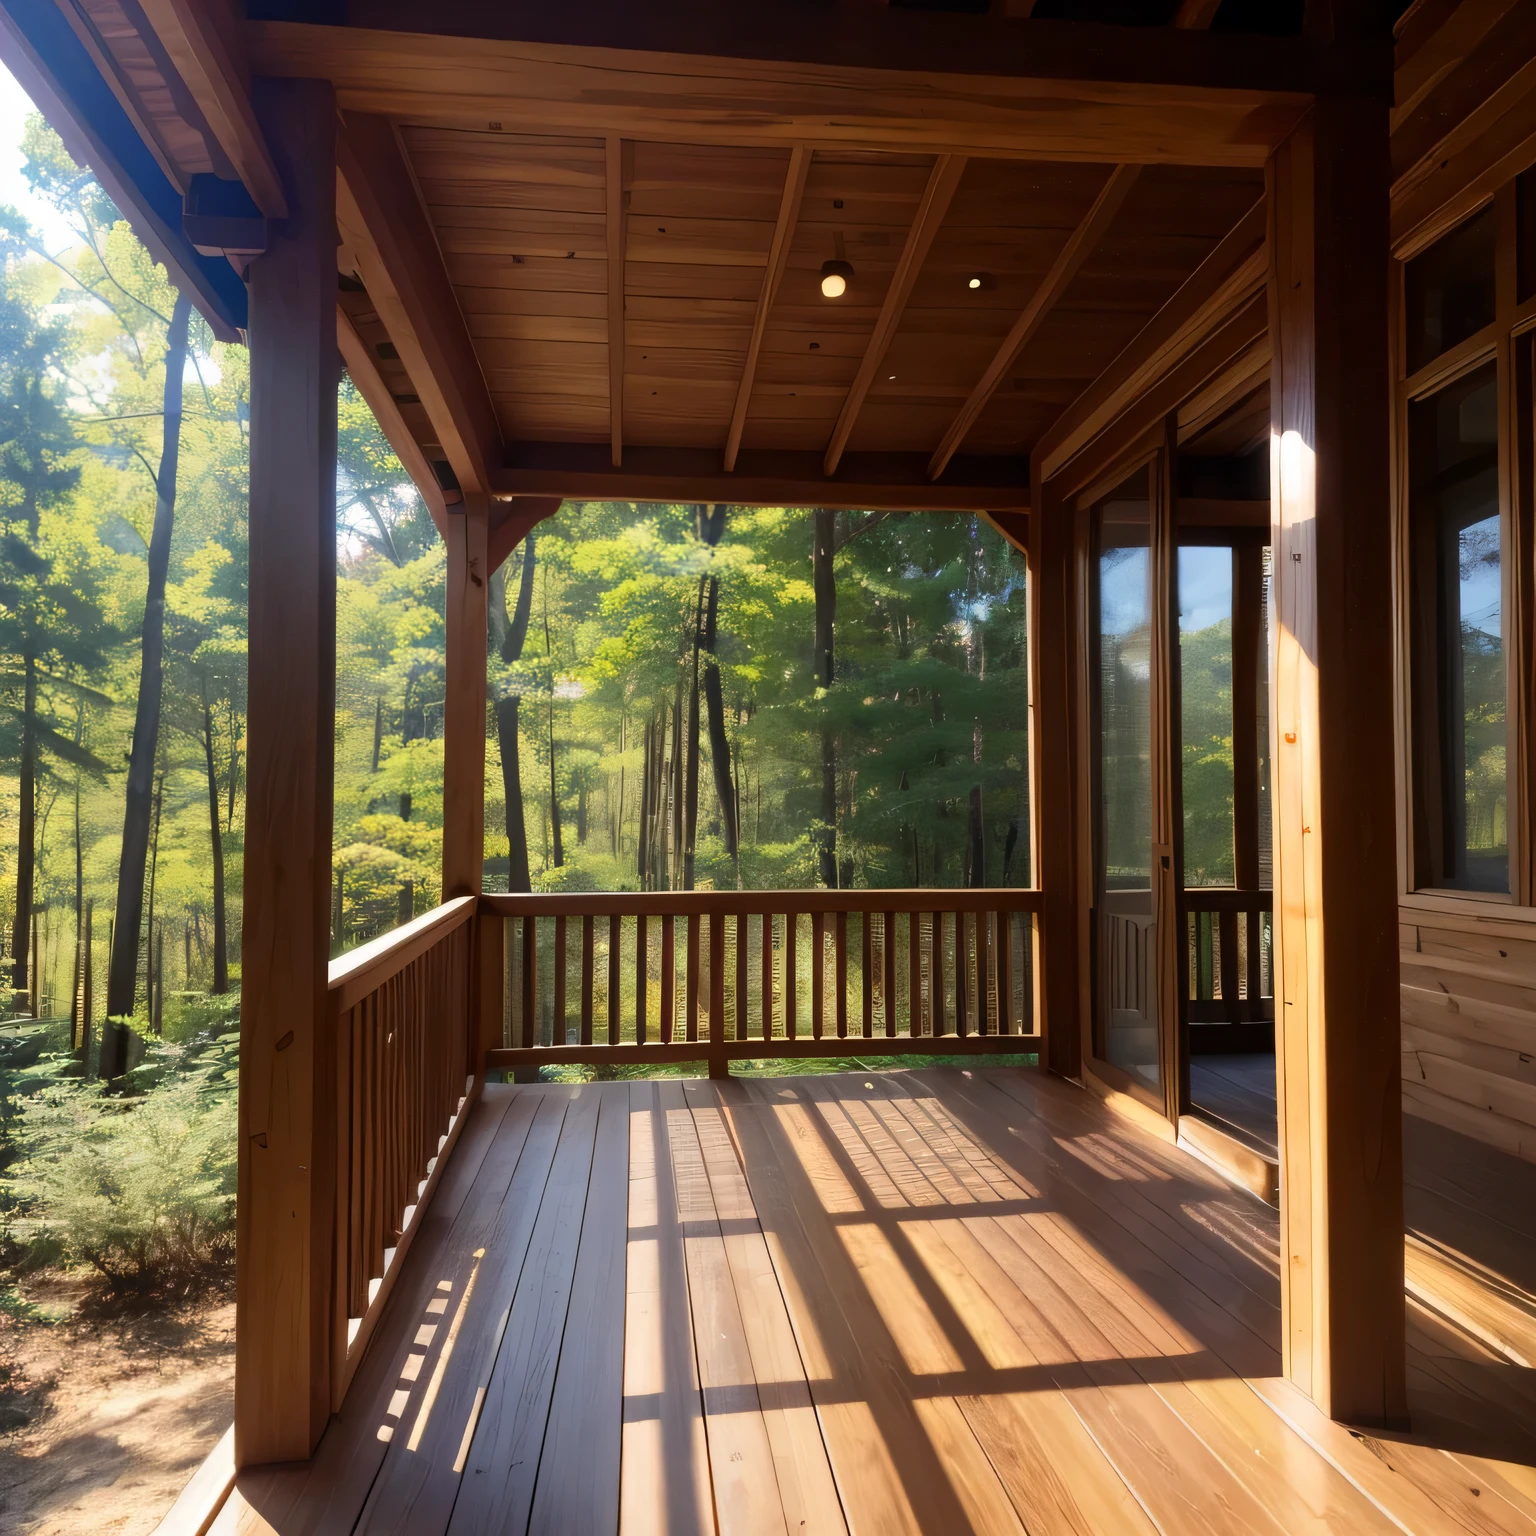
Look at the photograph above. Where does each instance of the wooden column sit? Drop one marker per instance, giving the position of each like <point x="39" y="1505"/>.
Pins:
<point x="464" y="700"/>
<point x="285" y="1222"/>
<point x="1052" y="663"/>
<point x="1335" y="844"/>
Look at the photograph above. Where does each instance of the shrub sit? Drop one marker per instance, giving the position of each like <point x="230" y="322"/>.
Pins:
<point x="141" y="1188"/>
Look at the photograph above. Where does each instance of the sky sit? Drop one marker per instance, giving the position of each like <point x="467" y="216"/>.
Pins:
<point x="15" y="107"/>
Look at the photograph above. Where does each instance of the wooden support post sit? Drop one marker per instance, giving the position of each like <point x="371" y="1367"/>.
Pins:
<point x="464" y="699"/>
<point x="285" y="1220"/>
<point x="1336" y="985"/>
<point x="1052" y="644"/>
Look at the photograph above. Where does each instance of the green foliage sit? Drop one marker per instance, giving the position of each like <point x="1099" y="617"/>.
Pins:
<point x="140" y="1188"/>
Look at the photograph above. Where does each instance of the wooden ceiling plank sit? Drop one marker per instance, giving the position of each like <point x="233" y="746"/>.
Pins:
<point x="217" y="84"/>
<point x="403" y="271"/>
<point x="778" y="256"/>
<point x="1073" y="254"/>
<point x="613" y="209"/>
<point x="363" y="370"/>
<point x="1225" y="280"/>
<point x="1439" y="54"/>
<point x="942" y="182"/>
<point x="1228" y="389"/>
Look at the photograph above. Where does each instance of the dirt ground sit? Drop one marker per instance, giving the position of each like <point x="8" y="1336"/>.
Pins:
<point x="103" y="1418"/>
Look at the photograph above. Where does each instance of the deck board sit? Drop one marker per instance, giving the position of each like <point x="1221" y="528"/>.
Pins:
<point x="931" y="1301"/>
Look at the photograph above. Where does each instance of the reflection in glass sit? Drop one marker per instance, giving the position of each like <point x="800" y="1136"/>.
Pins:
<point x="1448" y="290"/>
<point x="1461" y="796"/>
<point x="1205" y="678"/>
<point x="1127" y="972"/>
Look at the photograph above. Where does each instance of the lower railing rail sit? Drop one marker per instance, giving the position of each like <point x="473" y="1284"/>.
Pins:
<point x="723" y="975"/>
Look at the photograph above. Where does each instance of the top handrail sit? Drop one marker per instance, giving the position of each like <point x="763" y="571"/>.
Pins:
<point x="752" y="903"/>
<point x="353" y="976"/>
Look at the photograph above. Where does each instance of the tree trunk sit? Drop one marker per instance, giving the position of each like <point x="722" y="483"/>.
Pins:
<point x="122" y="970"/>
<point x="719" y="745"/>
<point x="824" y="587"/>
<point x="234" y="770"/>
<point x="157" y="1013"/>
<point x="74" y="991"/>
<point x="220" y="950"/>
<point x="26" y="828"/>
<point x="378" y="733"/>
<point x="554" y="792"/>
<point x="508" y="706"/>
<point x="149" y="921"/>
<point x="88" y="991"/>
<point x="691" y="758"/>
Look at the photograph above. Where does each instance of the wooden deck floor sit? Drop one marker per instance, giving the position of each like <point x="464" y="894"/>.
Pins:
<point x="936" y="1301"/>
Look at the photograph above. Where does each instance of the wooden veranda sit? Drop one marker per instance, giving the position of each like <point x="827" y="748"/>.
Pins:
<point x="1109" y="281"/>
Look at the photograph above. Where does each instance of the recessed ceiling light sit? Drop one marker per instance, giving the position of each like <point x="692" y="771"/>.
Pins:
<point x="980" y="280"/>
<point x="975" y="282"/>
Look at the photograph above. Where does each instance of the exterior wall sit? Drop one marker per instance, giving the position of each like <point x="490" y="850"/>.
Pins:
<point x="1469" y="1019"/>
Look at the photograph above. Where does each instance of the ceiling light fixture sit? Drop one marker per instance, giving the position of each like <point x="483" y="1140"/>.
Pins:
<point x="837" y="273"/>
<point x="980" y="280"/>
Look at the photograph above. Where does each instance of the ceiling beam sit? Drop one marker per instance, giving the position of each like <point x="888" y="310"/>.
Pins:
<point x="362" y="369"/>
<point x="214" y="79"/>
<point x="892" y="482"/>
<point x="773" y="275"/>
<point x="512" y="521"/>
<point x="385" y="224"/>
<point x="943" y="179"/>
<point x="1073" y="254"/>
<point x="613" y="201"/>
<point x="857" y="38"/>
<point x="1229" y="388"/>
<point x="1231" y="275"/>
<point x="1233" y="109"/>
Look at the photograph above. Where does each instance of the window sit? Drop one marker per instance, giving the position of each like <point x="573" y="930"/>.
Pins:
<point x="1449" y="289"/>
<point x="1457" y="616"/>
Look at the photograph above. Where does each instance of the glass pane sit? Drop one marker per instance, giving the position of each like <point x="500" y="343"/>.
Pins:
<point x="1128" y="947"/>
<point x="1449" y="290"/>
<point x="1461" y="832"/>
<point x="1205" y="676"/>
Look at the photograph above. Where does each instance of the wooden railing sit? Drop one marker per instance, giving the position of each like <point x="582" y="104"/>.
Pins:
<point x="404" y="1069"/>
<point x="1230" y="956"/>
<point x="721" y="975"/>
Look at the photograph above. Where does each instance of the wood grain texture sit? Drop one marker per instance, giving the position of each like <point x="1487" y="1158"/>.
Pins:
<point x="613" y="231"/>
<point x="1335" y="838"/>
<point x="286" y="1210"/>
<point x="468" y="591"/>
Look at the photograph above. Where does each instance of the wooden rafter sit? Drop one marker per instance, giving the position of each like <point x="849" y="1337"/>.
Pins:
<point x="613" y="225"/>
<point x="361" y="368"/>
<point x="382" y="217"/>
<point x="1223" y="282"/>
<point x="940" y="190"/>
<point x="1229" y="388"/>
<point x="202" y="58"/>
<point x="1074" y="253"/>
<point x="773" y="274"/>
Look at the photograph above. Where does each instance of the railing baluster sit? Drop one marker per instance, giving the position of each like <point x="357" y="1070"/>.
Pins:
<point x="588" y="966"/>
<point x="962" y="977"/>
<point x="818" y="987"/>
<point x="615" y="929"/>
<point x="1228" y="934"/>
<point x="765" y="966"/>
<point x="668" y="973"/>
<point x="743" y="961"/>
<point x="981" y="922"/>
<point x="914" y="975"/>
<point x="867" y="974"/>
<point x="1255" y="921"/>
<point x="937" y="985"/>
<point x="691" y="981"/>
<point x="888" y="981"/>
<point x="840" y="940"/>
<point x="791" y="1030"/>
<point x="716" y="978"/>
<point x="530" y="978"/>
<point x="1005" y="972"/>
<point x="557" y="1020"/>
<point x="640" y="977"/>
